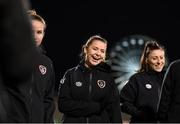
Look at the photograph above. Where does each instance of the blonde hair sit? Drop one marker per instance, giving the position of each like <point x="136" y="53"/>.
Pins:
<point x="33" y="15"/>
<point x="89" y="42"/>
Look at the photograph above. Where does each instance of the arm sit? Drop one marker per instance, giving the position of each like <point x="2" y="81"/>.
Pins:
<point x="49" y="98"/>
<point x="68" y="105"/>
<point x="113" y="104"/>
<point x="127" y="96"/>
<point x="166" y="94"/>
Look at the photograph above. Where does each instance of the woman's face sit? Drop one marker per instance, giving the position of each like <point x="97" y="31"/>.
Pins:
<point x="38" y="31"/>
<point x="156" y="60"/>
<point x="95" y="53"/>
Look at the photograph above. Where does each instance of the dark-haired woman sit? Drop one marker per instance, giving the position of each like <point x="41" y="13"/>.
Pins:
<point x="140" y="95"/>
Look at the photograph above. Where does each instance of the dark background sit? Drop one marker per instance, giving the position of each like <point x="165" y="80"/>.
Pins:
<point x="70" y="24"/>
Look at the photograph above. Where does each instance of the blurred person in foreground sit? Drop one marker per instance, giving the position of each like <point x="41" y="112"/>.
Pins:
<point x="18" y="57"/>
<point x="169" y="102"/>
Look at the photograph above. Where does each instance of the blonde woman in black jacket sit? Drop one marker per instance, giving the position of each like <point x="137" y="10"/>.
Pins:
<point x="87" y="92"/>
<point x="42" y="105"/>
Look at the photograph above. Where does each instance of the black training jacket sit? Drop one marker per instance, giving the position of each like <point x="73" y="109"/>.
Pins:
<point x="87" y="96"/>
<point x="169" y="106"/>
<point x="140" y="96"/>
<point x="32" y="99"/>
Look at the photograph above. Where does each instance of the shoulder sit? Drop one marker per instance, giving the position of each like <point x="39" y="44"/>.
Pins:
<point x="103" y="67"/>
<point x="71" y="70"/>
<point x="43" y="58"/>
<point x="47" y="61"/>
<point x="174" y="67"/>
<point x="175" y="63"/>
<point x="137" y="75"/>
<point x="68" y="74"/>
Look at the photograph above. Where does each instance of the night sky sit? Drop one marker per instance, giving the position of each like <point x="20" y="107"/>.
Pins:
<point x="70" y="24"/>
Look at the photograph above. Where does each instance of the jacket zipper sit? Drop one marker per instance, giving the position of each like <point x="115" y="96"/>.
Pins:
<point x="30" y="94"/>
<point x="90" y="85"/>
<point x="90" y="89"/>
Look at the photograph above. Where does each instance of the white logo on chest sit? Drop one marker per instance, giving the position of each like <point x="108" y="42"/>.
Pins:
<point x="148" y="86"/>
<point x="78" y="84"/>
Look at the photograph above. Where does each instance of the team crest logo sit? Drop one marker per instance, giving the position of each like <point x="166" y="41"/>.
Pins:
<point x="101" y="83"/>
<point x="42" y="69"/>
<point x="78" y="84"/>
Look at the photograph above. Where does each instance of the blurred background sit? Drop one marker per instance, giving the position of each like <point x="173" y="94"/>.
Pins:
<point x="126" y="25"/>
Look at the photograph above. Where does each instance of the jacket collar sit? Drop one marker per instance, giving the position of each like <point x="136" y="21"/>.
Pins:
<point x="101" y="67"/>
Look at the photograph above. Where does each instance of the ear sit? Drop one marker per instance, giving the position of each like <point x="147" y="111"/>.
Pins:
<point x="85" y="50"/>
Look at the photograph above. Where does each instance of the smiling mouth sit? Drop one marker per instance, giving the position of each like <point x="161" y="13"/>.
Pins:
<point x="96" y="59"/>
<point x="158" y="67"/>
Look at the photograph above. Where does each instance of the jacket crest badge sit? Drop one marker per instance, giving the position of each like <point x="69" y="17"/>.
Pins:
<point x="101" y="83"/>
<point x="42" y="69"/>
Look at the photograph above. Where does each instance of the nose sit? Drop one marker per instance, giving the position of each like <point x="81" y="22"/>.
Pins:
<point x="98" y="53"/>
<point x="159" y="61"/>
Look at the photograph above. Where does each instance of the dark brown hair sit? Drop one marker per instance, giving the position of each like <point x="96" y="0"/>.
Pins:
<point x="149" y="46"/>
